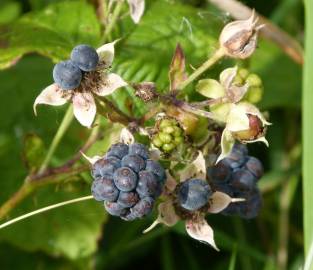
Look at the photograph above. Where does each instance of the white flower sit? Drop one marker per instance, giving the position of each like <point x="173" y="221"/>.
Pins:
<point x="136" y="8"/>
<point x="99" y="82"/>
<point x="196" y="227"/>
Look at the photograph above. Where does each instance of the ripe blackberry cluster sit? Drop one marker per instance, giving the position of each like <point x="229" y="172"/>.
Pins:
<point x="127" y="181"/>
<point x="193" y="194"/>
<point x="237" y="176"/>
<point x="169" y="135"/>
<point x="68" y="74"/>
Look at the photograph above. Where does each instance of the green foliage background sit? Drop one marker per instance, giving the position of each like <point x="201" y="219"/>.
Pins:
<point x="35" y="34"/>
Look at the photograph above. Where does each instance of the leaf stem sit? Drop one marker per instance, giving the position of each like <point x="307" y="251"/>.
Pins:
<point x="67" y="119"/>
<point x="44" y="209"/>
<point x="218" y="54"/>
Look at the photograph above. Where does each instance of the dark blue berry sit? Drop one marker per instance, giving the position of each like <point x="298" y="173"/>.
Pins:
<point x="193" y="194"/>
<point x="67" y="75"/>
<point x="128" y="199"/>
<point x="115" y="209"/>
<point x="156" y="168"/>
<point x="148" y="185"/>
<point x="243" y="180"/>
<point x="118" y="150"/>
<point x="141" y="209"/>
<point x="240" y="148"/>
<point x="139" y="149"/>
<point x="252" y="206"/>
<point x="85" y="57"/>
<point x="135" y="162"/>
<point x="255" y="167"/>
<point x="221" y="172"/>
<point x="125" y="179"/>
<point x="103" y="189"/>
<point x="105" y="167"/>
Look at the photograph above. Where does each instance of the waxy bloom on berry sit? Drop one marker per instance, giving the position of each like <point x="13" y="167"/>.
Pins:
<point x="98" y="82"/>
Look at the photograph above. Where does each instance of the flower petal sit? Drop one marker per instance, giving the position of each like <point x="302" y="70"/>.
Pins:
<point x="237" y="119"/>
<point x="126" y="136"/>
<point x="200" y="230"/>
<point x="227" y="76"/>
<point x="210" y="88"/>
<point x="51" y="95"/>
<point x="167" y="216"/>
<point x="111" y="82"/>
<point x="196" y="169"/>
<point x="227" y="143"/>
<point x="218" y="202"/>
<point x="137" y="8"/>
<point x="106" y="54"/>
<point x="170" y="183"/>
<point x="251" y="109"/>
<point x="84" y="108"/>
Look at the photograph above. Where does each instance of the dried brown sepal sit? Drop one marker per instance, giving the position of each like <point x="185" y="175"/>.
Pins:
<point x="145" y="91"/>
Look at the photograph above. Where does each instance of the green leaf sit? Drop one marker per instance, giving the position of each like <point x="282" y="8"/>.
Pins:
<point x="210" y="88"/>
<point x="51" y="32"/>
<point x="9" y="11"/>
<point x="33" y="152"/>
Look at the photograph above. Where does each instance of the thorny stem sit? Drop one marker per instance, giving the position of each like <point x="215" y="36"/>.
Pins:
<point x="67" y="119"/>
<point x="219" y="53"/>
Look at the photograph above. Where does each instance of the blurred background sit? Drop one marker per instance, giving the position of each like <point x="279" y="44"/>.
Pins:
<point x="34" y="34"/>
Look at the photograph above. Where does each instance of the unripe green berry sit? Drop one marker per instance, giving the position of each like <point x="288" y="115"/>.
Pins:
<point x="168" y="130"/>
<point x="177" y="131"/>
<point x="157" y="141"/>
<point x="238" y="80"/>
<point x="254" y="80"/>
<point x="164" y="137"/>
<point x="168" y="147"/>
<point x="165" y="123"/>
<point x="254" y="94"/>
<point x="178" y="140"/>
<point x="243" y="73"/>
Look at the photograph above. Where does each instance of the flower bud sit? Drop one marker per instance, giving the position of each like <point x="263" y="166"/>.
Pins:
<point x="239" y="38"/>
<point x="246" y="123"/>
<point x="256" y="130"/>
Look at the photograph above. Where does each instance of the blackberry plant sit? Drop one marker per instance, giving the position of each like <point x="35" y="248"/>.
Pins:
<point x="127" y="181"/>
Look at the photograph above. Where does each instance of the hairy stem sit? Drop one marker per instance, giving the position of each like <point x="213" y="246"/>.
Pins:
<point x="113" y="19"/>
<point x="67" y="119"/>
<point x="206" y="65"/>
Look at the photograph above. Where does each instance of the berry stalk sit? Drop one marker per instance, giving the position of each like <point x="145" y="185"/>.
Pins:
<point x="218" y="54"/>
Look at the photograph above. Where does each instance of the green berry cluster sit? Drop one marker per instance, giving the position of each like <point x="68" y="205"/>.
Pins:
<point x="255" y="90"/>
<point x="169" y="135"/>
